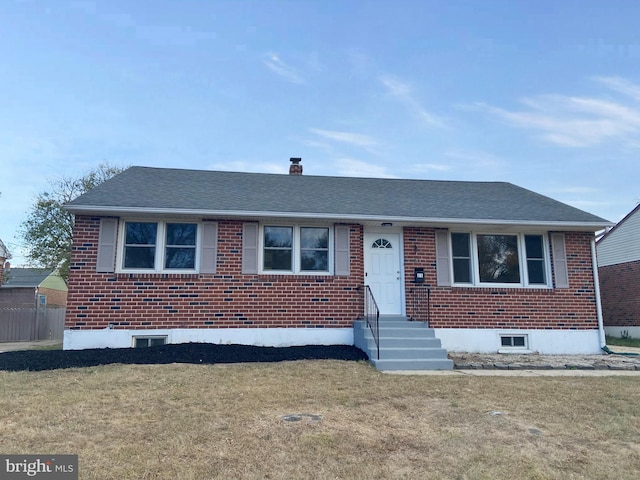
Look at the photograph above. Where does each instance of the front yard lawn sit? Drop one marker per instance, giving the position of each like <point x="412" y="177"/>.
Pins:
<point x="321" y="419"/>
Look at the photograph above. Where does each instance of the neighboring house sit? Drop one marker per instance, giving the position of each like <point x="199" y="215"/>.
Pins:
<point x="23" y="287"/>
<point x="4" y="256"/>
<point x="169" y="255"/>
<point x="619" y="271"/>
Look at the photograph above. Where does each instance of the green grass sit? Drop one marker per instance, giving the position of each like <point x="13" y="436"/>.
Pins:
<point x="624" y="342"/>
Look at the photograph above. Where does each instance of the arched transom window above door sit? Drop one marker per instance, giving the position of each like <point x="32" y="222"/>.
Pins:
<point x="381" y="243"/>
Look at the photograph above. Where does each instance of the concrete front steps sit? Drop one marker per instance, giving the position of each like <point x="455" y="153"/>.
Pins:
<point x="404" y="345"/>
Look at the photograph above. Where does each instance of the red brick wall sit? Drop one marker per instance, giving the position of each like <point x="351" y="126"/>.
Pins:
<point x="620" y="293"/>
<point x="226" y="299"/>
<point x="455" y="307"/>
<point x="230" y="299"/>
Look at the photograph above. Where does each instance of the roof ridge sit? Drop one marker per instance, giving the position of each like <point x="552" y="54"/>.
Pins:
<point x="286" y="175"/>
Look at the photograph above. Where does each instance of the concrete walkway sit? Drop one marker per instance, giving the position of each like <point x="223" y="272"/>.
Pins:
<point x="508" y="365"/>
<point x="520" y="373"/>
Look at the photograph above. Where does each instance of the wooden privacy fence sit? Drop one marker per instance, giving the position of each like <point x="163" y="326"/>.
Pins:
<point x="24" y="324"/>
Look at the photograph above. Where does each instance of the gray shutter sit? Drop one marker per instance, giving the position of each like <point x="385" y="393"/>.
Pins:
<point x="106" y="260"/>
<point x="443" y="261"/>
<point x="209" y="248"/>
<point x="560" y="268"/>
<point x="341" y="250"/>
<point x="250" y="248"/>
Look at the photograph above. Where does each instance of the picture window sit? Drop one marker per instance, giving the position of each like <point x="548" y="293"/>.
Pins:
<point x="504" y="259"/>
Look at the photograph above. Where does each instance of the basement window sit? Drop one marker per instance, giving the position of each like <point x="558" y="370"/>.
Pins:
<point x="142" y="342"/>
<point x="514" y="342"/>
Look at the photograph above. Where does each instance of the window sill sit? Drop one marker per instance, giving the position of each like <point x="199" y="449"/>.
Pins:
<point x="124" y="275"/>
<point x="523" y="351"/>
<point x="496" y="286"/>
<point x="295" y="274"/>
<point x="531" y="288"/>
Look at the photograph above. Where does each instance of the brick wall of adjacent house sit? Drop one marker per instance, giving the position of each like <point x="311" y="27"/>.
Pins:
<point x="620" y="293"/>
<point x="226" y="299"/>
<point x="507" y="308"/>
<point x="55" y="298"/>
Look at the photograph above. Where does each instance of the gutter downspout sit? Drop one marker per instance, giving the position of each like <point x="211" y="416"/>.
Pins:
<point x="596" y="281"/>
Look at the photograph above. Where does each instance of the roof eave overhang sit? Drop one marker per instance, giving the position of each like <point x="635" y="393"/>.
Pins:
<point x="336" y="217"/>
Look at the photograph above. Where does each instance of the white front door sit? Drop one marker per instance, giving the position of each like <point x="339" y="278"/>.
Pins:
<point x="382" y="270"/>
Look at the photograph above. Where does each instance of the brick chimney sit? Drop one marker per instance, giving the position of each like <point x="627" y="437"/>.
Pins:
<point x="295" y="168"/>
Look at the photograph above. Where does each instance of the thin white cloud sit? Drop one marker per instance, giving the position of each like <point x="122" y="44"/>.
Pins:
<point x="350" y="167"/>
<point x="314" y="63"/>
<point x="475" y="158"/>
<point x="280" y="68"/>
<point x="587" y="205"/>
<point x="572" y="121"/>
<point x="621" y="85"/>
<point x="404" y="94"/>
<point x="177" y="35"/>
<point x="578" y="190"/>
<point x="356" y="139"/>
<point x="430" y="167"/>
<point x="250" y="166"/>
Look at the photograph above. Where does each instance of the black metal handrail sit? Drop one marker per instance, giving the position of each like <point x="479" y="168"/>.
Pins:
<point x="421" y="296"/>
<point x="372" y="316"/>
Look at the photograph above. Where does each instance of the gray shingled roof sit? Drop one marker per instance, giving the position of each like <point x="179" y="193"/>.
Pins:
<point x="25" y="277"/>
<point x="211" y="193"/>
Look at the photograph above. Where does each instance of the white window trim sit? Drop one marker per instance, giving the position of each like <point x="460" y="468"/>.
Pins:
<point x="522" y="259"/>
<point x="160" y="247"/>
<point x="296" y="250"/>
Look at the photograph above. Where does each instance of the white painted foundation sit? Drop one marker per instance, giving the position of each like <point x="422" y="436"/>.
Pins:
<point x="546" y="342"/>
<point x="263" y="337"/>
<point x="620" y="332"/>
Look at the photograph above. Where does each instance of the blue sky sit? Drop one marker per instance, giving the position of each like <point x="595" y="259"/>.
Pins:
<point x="543" y="93"/>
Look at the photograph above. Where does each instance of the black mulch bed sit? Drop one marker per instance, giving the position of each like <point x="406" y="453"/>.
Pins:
<point x="199" y="353"/>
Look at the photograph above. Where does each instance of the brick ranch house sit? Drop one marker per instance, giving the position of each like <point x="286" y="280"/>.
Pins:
<point x="619" y="270"/>
<point x="171" y="255"/>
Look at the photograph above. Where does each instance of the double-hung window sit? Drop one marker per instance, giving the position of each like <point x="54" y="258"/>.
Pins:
<point x="314" y="249"/>
<point x="140" y="241"/>
<point x="499" y="259"/>
<point x="295" y="249"/>
<point x="278" y="248"/>
<point x="159" y="246"/>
